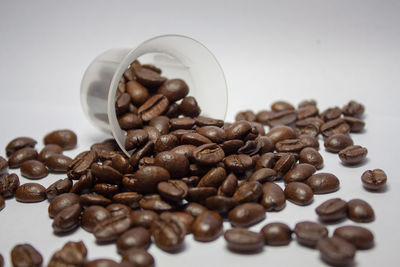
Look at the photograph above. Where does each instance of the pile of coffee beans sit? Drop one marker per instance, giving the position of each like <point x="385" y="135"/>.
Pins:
<point x="188" y="173"/>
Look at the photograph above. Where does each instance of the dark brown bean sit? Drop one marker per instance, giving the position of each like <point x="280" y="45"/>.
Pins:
<point x="353" y="109"/>
<point x="281" y="106"/>
<point x="246" y="215"/>
<point x="276" y="234"/>
<point x="214" y="133"/>
<point x="374" y="179"/>
<point x="23" y="255"/>
<point x="337" y="142"/>
<point x="289" y="145"/>
<point x="192" y="138"/>
<point x="220" y="204"/>
<point x="185" y="123"/>
<point x="2" y="203"/>
<point x="243" y="240"/>
<point x="130" y="121"/>
<point x="111" y="228"/>
<point x="311" y="156"/>
<point x="67" y="139"/>
<point x="143" y="218"/>
<point x="299" y="173"/>
<point x="155" y="203"/>
<point x="208" y="154"/>
<point x="149" y="78"/>
<point x="229" y="185"/>
<point x="137" y="237"/>
<point x="81" y="163"/>
<point x="238" y="163"/>
<point x="186" y="150"/>
<point x="61" y="202"/>
<point x="263" y="175"/>
<point x="58" y="163"/>
<point x="117" y="209"/>
<point x="168" y="234"/>
<point x="214" y="177"/>
<point x="19" y="143"/>
<point x="359" y="236"/>
<point x="238" y="130"/>
<point x="173" y="190"/>
<point x="207" y="226"/>
<point x="136" y="138"/>
<point x="352" y="155"/>
<point x="308" y="126"/>
<point x="92" y="216"/>
<point x="273" y="198"/>
<point x="20" y="156"/>
<point x="231" y="146"/>
<point x="284" y="164"/>
<point x="49" y="150"/>
<point x="336" y="126"/>
<point x="308" y="233"/>
<point x="106" y="174"/>
<point x="322" y="183"/>
<point x="153" y="107"/>
<point x="360" y="211"/>
<point x="71" y="254"/>
<point x="130" y="199"/>
<point x="30" y="192"/>
<point x="144" y="151"/>
<point x="33" y="169"/>
<point x="266" y="160"/>
<point x="285" y="117"/>
<point x="57" y="188"/>
<point x="331" y="114"/>
<point x="176" y="164"/>
<point x="336" y="251"/>
<point x="306" y="112"/>
<point x="93" y="199"/>
<point x="299" y="193"/>
<point x="138" y="257"/>
<point x="67" y="219"/>
<point x="166" y="142"/>
<point x="199" y="194"/>
<point x="206" y="121"/>
<point x="250" y="191"/>
<point x="103" y="263"/>
<point x="8" y="184"/>
<point x="332" y="210"/>
<point x="189" y="107"/>
<point x="281" y="132"/>
<point x="137" y="92"/>
<point x="246" y="115"/>
<point x="194" y="209"/>
<point x="182" y="217"/>
<point x="356" y="125"/>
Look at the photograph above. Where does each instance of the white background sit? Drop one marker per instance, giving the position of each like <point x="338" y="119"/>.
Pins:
<point x="331" y="51"/>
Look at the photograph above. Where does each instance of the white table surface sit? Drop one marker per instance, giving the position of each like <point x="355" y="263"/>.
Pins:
<point x="331" y="51"/>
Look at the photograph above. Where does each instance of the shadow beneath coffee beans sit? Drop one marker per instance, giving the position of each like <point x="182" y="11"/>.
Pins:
<point x="66" y="233"/>
<point x="384" y="189"/>
<point x="332" y="222"/>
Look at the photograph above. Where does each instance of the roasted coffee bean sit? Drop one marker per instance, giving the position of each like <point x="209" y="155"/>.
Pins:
<point x="308" y="233"/>
<point x="308" y="126"/>
<point x="19" y="143"/>
<point x="84" y="184"/>
<point x="182" y="217"/>
<point x="3" y="166"/>
<point x="106" y="149"/>
<point x="246" y="215"/>
<point x="58" y="163"/>
<point x="299" y="193"/>
<point x="353" y="155"/>
<point x="61" y="202"/>
<point x="214" y="133"/>
<point x="306" y="112"/>
<point x="168" y="234"/>
<point x="285" y="117"/>
<point x="106" y="174"/>
<point x="92" y="216"/>
<point x="110" y="229"/>
<point x="238" y="163"/>
<point x="130" y="121"/>
<point x="208" y="154"/>
<point x="191" y="181"/>
<point x="136" y="138"/>
<point x="267" y="145"/>
<point x="185" y="150"/>
<point x="281" y="132"/>
<point x="117" y="209"/>
<point x="149" y="78"/>
<point x="336" y="251"/>
<point x="337" y="142"/>
<point x="137" y="92"/>
<point x="309" y="141"/>
<point x="152" y="132"/>
<point x="49" y="150"/>
<point x="177" y="165"/>
<point x="353" y="109"/>
<point x="214" y="177"/>
<point x="174" y="89"/>
<point x="155" y="203"/>
<point x="206" y="121"/>
<point x="336" y="126"/>
<point x="238" y="130"/>
<point x="20" y="156"/>
<point x="93" y="199"/>
<point x="284" y="164"/>
<point x="153" y="107"/>
<point x="281" y="106"/>
<point x="30" y="192"/>
<point x="273" y="198"/>
<point x="130" y="199"/>
<point x="276" y="234"/>
<point x="137" y="237"/>
<point x="263" y="116"/>
<point x="143" y="218"/>
<point x="331" y="114"/>
<point x="289" y="145"/>
<point x="250" y="191"/>
<point x="263" y="175"/>
<point x="161" y="123"/>
<point x="192" y="138"/>
<point x="146" y="179"/>
<point x="166" y="142"/>
<point x="107" y="190"/>
<point x="360" y="211"/>
<point x="207" y="226"/>
<point x="138" y="257"/>
<point x="26" y="255"/>
<point x="122" y="103"/>
<point x="374" y="179"/>
<point x="251" y="147"/>
<point x="173" y="190"/>
<point x="220" y="204"/>
<point x="71" y="254"/>
<point x="67" y="139"/>
<point x="57" y="188"/>
<point x="185" y="123"/>
<point x="144" y="151"/>
<point x="360" y="237"/>
<point x="231" y="146"/>
<point x="2" y="203"/>
<point x="189" y="107"/>
<point x="81" y="163"/>
<point x="199" y="194"/>
<point x="197" y="169"/>
<point x="322" y="183"/>
<point x="311" y="156"/>
<point x="334" y="209"/>
<point x="67" y="219"/>
<point x="306" y="103"/>
<point x="246" y="115"/>
<point x="121" y="163"/>
<point x="33" y="169"/>
<point x="194" y="209"/>
<point x="299" y="173"/>
<point x="243" y="240"/>
<point x="356" y="125"/>
<point x="229" y="185"/>
<point x="266" y="160"/>
<point x="8" y="184"/>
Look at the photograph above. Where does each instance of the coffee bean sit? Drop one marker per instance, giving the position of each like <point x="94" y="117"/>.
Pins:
<point x="30" y="192"/>
<point x="1" y="261"/>
<point x="353" y="155"/>
<point x="130" y="199"/>
<point x="137" y="92"/>
<point x="220" y="204"/>
<point x="140" y="153"/>
<point x="67" y="139"/>
<point x="168" y="234"/>
<point x="311" y="156"/>
<point x="356" y="125"/>
<point x="177" y="165"/>
<point x="246" y="215"/>
<point x="71" y="254"/>
<point x="161" y="123"/>
<point x="117" y="209"/>
<point x="152" y="132"/>
<point x="106" y="174"/>
<point x="306" y="103"/>
<point x="248" y="192"/>
<point x="26" y="255"/>
<point x="263" y="175"/>
<point x="284" y="164"/>
<point x="143" y="218"/>
<point x="33" y="169"/>
<point x="67" y="219"/>
<point x="107" y="190"/>
<point x="194" y="209"/>
<point x="93" y="199"/>
<point x="208" y="154"/>
<point x="231" y="146"/>
<point x="61" y="202"/>
<point x="229" y="185"/>
<point x="214" y="178"/>
<point x="309" y="141"/>
<point x="166" y="142"/>
<point x="336" y="126"/>
<point x="308" y="233"/>
<point x="299" y="173"/>
<point x="2" y="203"/>
<point x="286" y="117"/>
<point x="360" y="211"/>
<point x="191" y="138"/>
<point x="374" y="179"/>
<point x="122" y="103"/>
<point x="181" y="217"/>
<point x="137" y="237"/>
<point x="353" y="109"/>
<point x="199" y="194"/>
<point x="174" y="89"/>
<point x="106" y="149"/>
<point x="263" y="116"/>
<point x="189" y="107"/>
<point x="84" y="184"/>
<point x="8" y="184"/>
<point x="121" y="163"/>
<point x="185" y="123"/>
<point x="299" y="193"/>
<point x="136" y="138"/>
<point x="138" y="257"/>
<point x="111" y="228"/>
<point x="306" y="112"/>
<point x="173" y="190"/>
<point x="238" y="163"/>
<point x="336" y="251"/>
<point x="58" y="163"/>
<point x="155" y="203"/>
<point x="281" y="132"/>
<point x="273" y="198"/>
<point x="92" y="216"/>
<point x="246" y="115"/>
<point x="153" y="107"/>
<point x="289" y="145"/>
<point x="308" y="126"/>
<point x="206" y="121"/>
<point x="322" y="183"/>
<point x="20" y="156"/>
<point x="207" y="226"/>
<point x="191" y="181"/>
<point x="243" y="240"/>
<point x="19" y="143"/>
<point x="238" y="130"/>
<point x="337" y="142"/>
<point x="49" y="150"/>
<point x="81" y="163"/>
<point x="149" y="78"/>
<point x="332" y="210"/>
<point x="214" y="133"/>
<point x="276" y="234"/>
<point x="281" y="106"/>
<point x="3" y="166"/>
<point x="57" y="188"/>
<point x="266" y="160"/>
<point x="360" y="237"/>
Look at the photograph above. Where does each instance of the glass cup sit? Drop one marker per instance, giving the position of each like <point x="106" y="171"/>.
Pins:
<point x="178" y="56"/>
